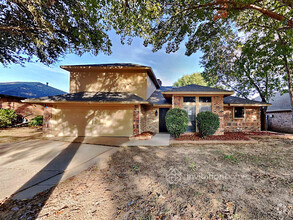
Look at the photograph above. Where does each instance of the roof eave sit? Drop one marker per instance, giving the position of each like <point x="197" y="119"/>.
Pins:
<point x="169" y="93"/>
<point x="81" y="102"/>
<point x="256" y="104"/>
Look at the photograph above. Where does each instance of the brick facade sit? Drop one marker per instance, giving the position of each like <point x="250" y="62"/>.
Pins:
<point x="136" y="120"/>
<point x="280" y="121"/>
<point x="25" y="110"/>
<point x="250" y="122"/>
<point x="177" y="102"/>
<point x="149" y="120"/>
<point x="218" y="108"/>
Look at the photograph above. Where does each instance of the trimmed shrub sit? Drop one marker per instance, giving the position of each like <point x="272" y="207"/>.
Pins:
<point x="207" y="123"/>
<point x="7" y="117"/>
<point x="37" y="121"/>
<point x="176" y="121"/>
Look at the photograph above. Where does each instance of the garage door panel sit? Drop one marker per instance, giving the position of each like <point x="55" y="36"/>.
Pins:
<point x="93" y="122"/>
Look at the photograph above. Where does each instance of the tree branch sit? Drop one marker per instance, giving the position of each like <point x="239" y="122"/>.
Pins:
<point x="220" y="5"/>
<point x="6" y="28"/>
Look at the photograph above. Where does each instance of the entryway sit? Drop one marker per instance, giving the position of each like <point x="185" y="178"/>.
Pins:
<point x="162" y="120"/>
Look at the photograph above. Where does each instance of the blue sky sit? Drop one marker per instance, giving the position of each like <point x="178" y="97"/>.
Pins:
<point x="167" y="67"/>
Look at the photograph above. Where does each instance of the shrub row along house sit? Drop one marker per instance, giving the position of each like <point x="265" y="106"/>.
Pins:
<point x="127" y="99"/>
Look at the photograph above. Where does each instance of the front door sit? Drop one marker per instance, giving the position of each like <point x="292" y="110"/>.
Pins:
<point x="190" y="109"/>
<point x="162" y="121"/>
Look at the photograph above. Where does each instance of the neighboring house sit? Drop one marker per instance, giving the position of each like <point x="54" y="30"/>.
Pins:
<point x="279" y="114"/>
<point x="127" y="99"/>
<point x="12" y="94"/>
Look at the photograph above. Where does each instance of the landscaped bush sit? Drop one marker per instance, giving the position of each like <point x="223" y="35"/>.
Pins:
<point x="176" y="121"/>
<point x="37" y="121"/>
<point x="207" y="123"/>
<point x="7" y="117"/>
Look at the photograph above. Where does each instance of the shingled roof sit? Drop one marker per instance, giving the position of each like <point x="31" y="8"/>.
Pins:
<point x="107" y="65"/>
<point x="237" y="100"/>
<point x="280" y="103"/>
<point x="196" y="88"/>
<point x="28" y="89"/>
<point x="103" y="97"/>
<point x="157" y="98"/>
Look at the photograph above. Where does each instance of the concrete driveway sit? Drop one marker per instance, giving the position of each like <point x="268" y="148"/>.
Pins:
<point x="30" y="167"/>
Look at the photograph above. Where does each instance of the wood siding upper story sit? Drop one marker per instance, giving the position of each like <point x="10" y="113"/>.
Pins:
<point x="133" y="81"/>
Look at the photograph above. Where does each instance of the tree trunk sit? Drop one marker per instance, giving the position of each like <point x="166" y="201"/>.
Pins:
<point x="263" y="118"/>
<point x="290" y="90"/>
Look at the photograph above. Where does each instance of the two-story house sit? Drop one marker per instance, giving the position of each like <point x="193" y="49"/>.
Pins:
<point x="127" y="99"/>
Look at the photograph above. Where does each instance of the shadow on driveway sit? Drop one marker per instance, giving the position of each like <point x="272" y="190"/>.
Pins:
<point x="51" y="174"/>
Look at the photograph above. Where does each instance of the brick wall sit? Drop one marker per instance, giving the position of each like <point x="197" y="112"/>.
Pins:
<point x="149" y="120"/>
<point x="250" y="122"/>
<point x="280" y="121"/>
<point x="218" y="108"/>
<point x="26" y="110"/>
<point x="177" y="102"/>
<point x="136" y="120"/>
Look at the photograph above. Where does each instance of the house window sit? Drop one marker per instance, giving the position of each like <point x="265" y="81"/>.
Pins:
<point x="205" y="108"/>
<point x="205" y="99"/>
<point x="238" y="112"/>
<point x="188" y="99"/>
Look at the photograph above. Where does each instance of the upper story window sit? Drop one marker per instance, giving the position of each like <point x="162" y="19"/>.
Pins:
<point x="188" y="99"/>
<point x="238" y="112"/>
<point x="205" y="99"/>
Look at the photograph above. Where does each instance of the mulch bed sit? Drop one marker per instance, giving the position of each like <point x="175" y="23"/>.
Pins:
<point x="228" y="136"/>
<point x="265" y="133"/>
<point x="143" y="136"/>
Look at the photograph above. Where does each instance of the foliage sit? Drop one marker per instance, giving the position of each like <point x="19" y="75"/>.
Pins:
<point x="176" y="121"/>
<point x="7" y="117"/>
<point x="208" y="123"/>
<point x="37" y="121"/>
<point x="243" y="67"/>
<point x="48" y="29"/>
<point x="266" y="28"/>
<point x="195" y="78"/>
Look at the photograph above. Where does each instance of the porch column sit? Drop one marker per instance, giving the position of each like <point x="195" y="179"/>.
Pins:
<point x="136" y="119"/>
<point x="218" y="108"/>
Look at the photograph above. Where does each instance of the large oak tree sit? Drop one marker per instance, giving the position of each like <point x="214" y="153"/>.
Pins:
<point x="202" y="23"/>
<point x="47" y="29"/>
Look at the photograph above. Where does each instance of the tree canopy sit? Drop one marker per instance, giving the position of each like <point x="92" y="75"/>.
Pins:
<point x="48" y="29"/>
<point x="195" y="78"/>
<point x="266" y="28"/>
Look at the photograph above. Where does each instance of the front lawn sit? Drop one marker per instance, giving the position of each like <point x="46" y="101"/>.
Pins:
<point x="17" y="134"/>
<point x="252" y="181"/>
